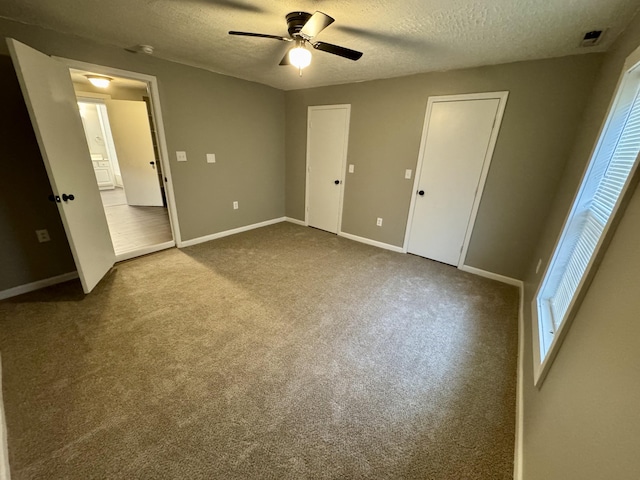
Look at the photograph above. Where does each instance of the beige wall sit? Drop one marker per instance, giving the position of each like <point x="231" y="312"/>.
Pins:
<point x="241" y="122"/>
<point x="584" y="422"/>
<point x="546" y="101"/>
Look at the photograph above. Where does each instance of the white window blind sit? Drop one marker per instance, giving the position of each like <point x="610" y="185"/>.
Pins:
<point x="599" y="194"/>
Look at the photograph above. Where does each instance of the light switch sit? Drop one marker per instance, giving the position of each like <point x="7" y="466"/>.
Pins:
<point x="181" y="156"/>
<point x="211" y="158"/>
<point x="407" y="173"/>
<point x="351" y="168"/>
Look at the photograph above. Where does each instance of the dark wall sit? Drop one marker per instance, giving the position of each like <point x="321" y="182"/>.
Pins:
<point x="24" y="187"/>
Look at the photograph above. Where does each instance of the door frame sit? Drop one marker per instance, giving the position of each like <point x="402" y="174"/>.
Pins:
<point x="343" y="106"/>
<point x="501" y="96"/>
<point x="154" y="96"/>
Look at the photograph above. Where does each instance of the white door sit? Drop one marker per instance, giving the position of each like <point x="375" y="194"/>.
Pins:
<point x="456" y="150"/>
<point x="129" y="123"/>
<point x="327" y="139"/>
<point x="52" y="106"/>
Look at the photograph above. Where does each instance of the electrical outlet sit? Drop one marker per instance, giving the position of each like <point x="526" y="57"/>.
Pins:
<point x="538" y="266"/>
<point x="43" y="236"/>
<point x="181" y="156"/>
<point x="407" y="174"/>
<point x="351" y="168"/>
<point x="211" y="158"/>
<point x="379" y="222"/>
<point x="235" y="205"/>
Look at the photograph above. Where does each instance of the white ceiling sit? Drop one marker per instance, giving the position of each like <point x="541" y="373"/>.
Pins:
<point x="398" y="37"/>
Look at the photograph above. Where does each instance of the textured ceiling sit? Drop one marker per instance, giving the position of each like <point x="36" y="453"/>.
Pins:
<point x="397" y="37"/>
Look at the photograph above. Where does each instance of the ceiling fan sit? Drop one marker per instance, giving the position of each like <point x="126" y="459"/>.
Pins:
<point x="303" y="28"/>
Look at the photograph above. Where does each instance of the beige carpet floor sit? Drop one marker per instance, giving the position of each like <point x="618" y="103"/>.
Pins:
<point x="280" y="353"/>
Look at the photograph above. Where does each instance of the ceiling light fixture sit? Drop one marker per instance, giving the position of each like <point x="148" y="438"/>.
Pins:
<point x="148" y="49"/>
<point x="99" y="81"/>
<point x="299" y="56"/>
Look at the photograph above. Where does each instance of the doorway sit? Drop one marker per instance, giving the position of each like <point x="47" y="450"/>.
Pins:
<point x="327" y="140"/>
<point x="58" y="128"/>
<point x="459" y="135"/>
<point x="120" y="133"/>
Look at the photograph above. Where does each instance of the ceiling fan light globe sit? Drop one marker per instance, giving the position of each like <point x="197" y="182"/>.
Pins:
<point x="300" y="57"/>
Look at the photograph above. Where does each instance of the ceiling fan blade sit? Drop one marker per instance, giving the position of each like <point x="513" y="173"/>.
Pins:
<point x="336" y="50"/>
<point x="285" y="59"/>
<point x="261" y="35"/>
<point x="318" y="22"/>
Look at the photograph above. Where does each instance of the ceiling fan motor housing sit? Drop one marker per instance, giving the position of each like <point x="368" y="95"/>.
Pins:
<point x="295" y="22"/>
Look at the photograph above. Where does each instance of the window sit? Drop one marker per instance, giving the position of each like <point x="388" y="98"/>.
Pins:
<point x="606" y="179"/>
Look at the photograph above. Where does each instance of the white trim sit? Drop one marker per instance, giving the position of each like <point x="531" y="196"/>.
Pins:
<point x="30" y="287"/>
<point x="296" y="221"/>
<point x="138" y="252"/>
<point x="92" y="96"/>
<point x="502" y="103"/>
<point x="541" y="365"/>
<point x="154" y="96"/>
<point x="5" y="472"/>
<point x="368" y="241"/>
<point x="518" y="450"/>
<point x="493" y="276"/>
<point x="226" y="233"/>
<point x="347" y="107"/>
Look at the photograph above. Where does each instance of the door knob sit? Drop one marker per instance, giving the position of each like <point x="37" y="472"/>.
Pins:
<point x="66" y="197"/>
<point x="54" y="198"/>
<point x="421" y="193"/>
<point x="152" y="163"/>
<point x="337" y="182"/>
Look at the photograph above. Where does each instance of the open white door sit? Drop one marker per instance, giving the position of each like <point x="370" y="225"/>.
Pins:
<point x="129" y="123"/>
<point x="51" y="101"/>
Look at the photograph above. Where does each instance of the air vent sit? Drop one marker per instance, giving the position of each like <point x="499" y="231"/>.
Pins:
<point x="592" y="38"/>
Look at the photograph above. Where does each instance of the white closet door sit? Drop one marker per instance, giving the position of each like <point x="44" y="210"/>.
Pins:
<point x="327" y="138"/>
<point x="457" y="140"/>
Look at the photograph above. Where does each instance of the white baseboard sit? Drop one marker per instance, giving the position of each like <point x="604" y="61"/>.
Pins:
<point x="368" y="241"/>
<point x="295" y="220"/>
<point x="226" y="233"/>
<point x="518" y="450"/>
<point x="144" y="251"/>
<point x="493" y="276"/>
<point x="5" y="473"/>
<point x="30" y="287"/>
